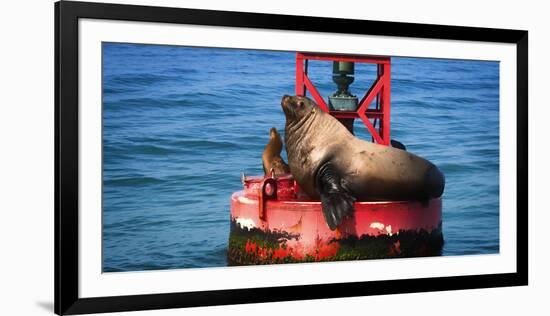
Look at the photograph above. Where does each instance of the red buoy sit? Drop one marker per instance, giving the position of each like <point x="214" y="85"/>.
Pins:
<point x="271" y="222"/>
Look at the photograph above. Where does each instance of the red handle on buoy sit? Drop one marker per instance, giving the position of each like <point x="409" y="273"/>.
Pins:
<point x="268" y="192"/>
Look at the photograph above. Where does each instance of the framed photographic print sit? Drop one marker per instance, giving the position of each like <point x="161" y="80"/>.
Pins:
<point x="209" y="157"/>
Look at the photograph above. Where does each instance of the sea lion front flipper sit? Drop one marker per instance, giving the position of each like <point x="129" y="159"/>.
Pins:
<point x="336" y="201"/>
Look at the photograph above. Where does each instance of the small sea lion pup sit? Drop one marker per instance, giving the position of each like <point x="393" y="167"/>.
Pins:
<point x="271" y="157"/>
<point x="331" y="164"/>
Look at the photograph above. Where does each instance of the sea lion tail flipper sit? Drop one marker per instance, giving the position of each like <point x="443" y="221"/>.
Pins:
<point x="397" y="144"/>
<point x="336" y="201"/>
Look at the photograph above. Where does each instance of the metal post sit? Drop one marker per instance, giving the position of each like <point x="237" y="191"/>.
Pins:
<point x="380" y="90"/>
<point x="300" y="88"/>
<point x="386" y="92"/>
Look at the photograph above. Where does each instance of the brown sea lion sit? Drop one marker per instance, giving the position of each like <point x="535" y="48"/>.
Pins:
<point x="331" y="164"/>
<point x="271" y="157"/>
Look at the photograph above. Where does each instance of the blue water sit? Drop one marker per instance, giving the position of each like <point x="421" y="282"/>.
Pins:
<point x="180" y="124"/>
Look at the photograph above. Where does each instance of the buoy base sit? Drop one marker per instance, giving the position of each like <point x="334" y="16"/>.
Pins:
<point x="253" y="247"/>
<point x="286" y="227"/>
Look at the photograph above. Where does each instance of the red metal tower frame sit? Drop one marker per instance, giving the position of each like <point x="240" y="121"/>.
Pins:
<point x="379" y="92"/>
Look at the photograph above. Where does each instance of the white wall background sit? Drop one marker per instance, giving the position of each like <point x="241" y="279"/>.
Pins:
<point x="27" y="158"/>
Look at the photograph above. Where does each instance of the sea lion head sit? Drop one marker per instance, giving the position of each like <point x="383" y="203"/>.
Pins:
<point x="297" y="107"/>
<point x="275" y="144"/>
<point x="273" y="134"/>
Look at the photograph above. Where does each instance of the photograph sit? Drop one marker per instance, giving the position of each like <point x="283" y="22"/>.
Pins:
<point x="208" y="157"/>
<point x="216" y="157"/>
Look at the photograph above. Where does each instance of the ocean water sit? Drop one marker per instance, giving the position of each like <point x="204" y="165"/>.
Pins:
<point x="180" y="124"/>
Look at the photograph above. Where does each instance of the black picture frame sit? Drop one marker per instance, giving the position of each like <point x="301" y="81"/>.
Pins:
<point x="67" y="15"/>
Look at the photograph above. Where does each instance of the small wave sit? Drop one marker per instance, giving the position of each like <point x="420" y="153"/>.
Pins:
<point x="449" y="167"/>
<point x="109" y="268"/>
<point x="406" y="85"/>
<point x="150" y="150"/>
<point x="110" y="157"/>
<point x="421" y="84"/>
<point x="479" y="86"/>
<point x="171" y="101"/>
<point x="417" y="105"/>
<point x="146" y="139"/>
<point x="139" y="79"/>
<point x="183" y="71"/>
<point x="197" y="144"/>
<point x="113" y="90"/>
<point x="459" y="100"/>
<point x="133" y="181"/>
<point x="137" y="266"/>
<point x="485" y="152"/>
<point x="161" y="255"/>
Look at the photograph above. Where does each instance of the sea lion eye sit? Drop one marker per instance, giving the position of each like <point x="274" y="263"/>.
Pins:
<point x="301" y="103"/>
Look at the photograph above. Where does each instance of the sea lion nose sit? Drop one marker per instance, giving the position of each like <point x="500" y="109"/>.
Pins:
<point x="284" y="99"/>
